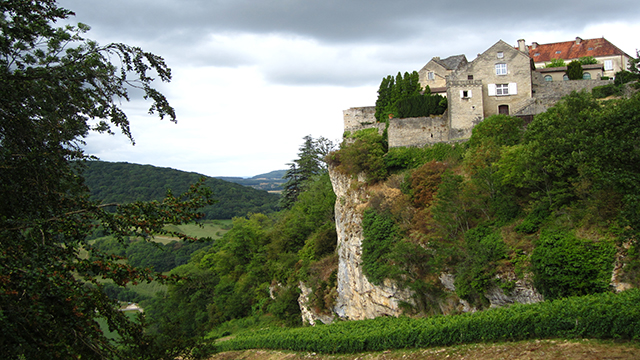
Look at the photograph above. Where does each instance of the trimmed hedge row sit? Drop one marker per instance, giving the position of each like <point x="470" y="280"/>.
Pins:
<point x="599" y="316"/>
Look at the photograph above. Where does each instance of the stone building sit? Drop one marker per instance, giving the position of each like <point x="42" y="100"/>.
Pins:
<point x="609" y="57"/>
<point x="434" y="73"/>
<point x="504" y="79"/>
<point x="498" y="81"/>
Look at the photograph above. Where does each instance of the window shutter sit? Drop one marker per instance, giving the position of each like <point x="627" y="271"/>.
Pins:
<point x="461" y="93"/>
<point x="469" y="93"/>
<point x="492" y="89"/>
<point x="513" y="88"/>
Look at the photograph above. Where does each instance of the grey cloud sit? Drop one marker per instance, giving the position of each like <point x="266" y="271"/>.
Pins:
<point x="180" y="30"/>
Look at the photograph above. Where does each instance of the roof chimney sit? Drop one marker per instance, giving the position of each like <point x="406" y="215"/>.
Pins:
<point x="534" y="45"/>
<point x="521" y="45"/>
<point x="578" y="40"/>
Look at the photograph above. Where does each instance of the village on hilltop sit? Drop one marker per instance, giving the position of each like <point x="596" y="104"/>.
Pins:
<point x="505" y="79"/>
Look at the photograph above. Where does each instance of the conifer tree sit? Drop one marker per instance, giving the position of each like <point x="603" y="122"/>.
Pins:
<point x="308" y="165"/>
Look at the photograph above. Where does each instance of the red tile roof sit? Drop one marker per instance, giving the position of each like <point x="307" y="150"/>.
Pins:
<point x="573" y="50"/>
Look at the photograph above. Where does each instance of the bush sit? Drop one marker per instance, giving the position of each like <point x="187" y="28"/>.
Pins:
<point x="364" y="155"/>
<point x="567" y="266"/>
<point x="380" y="233"/>
<point x="623" y="77"/>
<point x="574" y="70"/>
<point x="600" y="92"/>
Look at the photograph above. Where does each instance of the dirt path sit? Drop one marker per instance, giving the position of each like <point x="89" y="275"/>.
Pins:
<point x="523" y="350"/>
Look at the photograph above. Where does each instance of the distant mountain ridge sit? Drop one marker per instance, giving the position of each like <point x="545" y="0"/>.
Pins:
<point x="271" y="181"/>
<point x="123" y="182"/>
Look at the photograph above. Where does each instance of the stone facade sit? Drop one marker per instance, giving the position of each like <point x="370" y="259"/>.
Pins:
<point x="434" y="73"/>
<point x="418" y="131"/>
<point x="501" y="80"/>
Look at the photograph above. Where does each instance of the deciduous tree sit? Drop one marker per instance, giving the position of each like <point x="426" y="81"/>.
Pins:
<point x="55" y="87"/>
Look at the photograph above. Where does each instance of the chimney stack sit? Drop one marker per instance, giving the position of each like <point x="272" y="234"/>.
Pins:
<point x="578" y="40"/>
<point x="521" y="45"/>
<point x="534" y="45"/>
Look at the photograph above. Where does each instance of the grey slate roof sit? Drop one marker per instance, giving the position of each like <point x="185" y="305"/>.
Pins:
<point x="452" y="62"/>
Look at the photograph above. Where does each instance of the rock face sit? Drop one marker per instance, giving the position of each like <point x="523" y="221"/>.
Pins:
<point x="357" y="298"/>
<point x="308" y="315"/>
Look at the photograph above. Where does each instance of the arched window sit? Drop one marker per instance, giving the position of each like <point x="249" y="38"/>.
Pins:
<point x="586" y="76"/>
<point x="548" y="78"/>
<point x="565" y="77"/>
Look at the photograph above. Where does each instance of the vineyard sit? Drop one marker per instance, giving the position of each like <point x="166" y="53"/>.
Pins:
<point x="601" y="316"/>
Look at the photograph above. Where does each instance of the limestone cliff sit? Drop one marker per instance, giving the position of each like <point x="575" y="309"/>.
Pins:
<point x="357" y="297"/>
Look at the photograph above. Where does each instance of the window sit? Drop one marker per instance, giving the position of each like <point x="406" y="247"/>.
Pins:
<point x="469" y="77"/>
<point x="590" y="48"/>
<point x="465" y="94"/>
<point x="586" y="76"/>
<point x="548" y="78"/>
<point x="502" y="89"/>
<point x="608" y="65"/>
<point x="501" y="69"/>
<point x="431" y="75"/>
<point x="558" y="52"/>
<point x="500" y="54"/>
<point x="536" y="54"/>
<point x="565" y="77"/>
<point x="503" y="109"/>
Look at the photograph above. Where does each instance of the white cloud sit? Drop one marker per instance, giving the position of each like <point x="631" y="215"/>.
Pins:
<point x="251" y="78"/>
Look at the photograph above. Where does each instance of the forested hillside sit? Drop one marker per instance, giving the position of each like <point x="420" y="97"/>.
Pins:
<point x="555" y="202"/>
<point x="124" y="183"/>
<point x="271" y="181"/>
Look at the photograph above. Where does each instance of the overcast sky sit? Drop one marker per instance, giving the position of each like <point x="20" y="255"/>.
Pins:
<point x="251" y="78"/>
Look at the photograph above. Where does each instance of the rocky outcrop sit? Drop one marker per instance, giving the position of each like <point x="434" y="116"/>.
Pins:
<point x="308" y="315"/>
<point x="357" y="297"/>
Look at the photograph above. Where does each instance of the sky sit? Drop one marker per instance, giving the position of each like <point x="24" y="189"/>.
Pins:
<point x="251" y="78"/>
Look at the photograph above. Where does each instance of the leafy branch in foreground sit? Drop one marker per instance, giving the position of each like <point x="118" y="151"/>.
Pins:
<point x="55" y="87"/>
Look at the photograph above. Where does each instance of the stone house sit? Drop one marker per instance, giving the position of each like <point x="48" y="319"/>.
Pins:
<point x="504" y="79"/>
<point x="610" y="58"/>
<point x="434" y="73"/>
<point x="498" y="81"/>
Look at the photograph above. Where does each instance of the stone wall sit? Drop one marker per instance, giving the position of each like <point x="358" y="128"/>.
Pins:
<point x="418" y="131"/>
<point x="552" y="91"/>
<point x="358" y="118"/>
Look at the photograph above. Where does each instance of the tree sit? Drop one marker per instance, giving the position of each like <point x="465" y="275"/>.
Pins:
<point x="310" y="164"/>
<point x="555" y="63"/>
<point x="55" y="87"/>
<point x="574" y="70"/>
<point x="588" y="60"/>
<point x="634" y="64"/>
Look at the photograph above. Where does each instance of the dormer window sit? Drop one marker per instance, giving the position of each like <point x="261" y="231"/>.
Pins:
<point x="536" y="54"/>
<point x="558" y="52"/>
<point x="500" y="54"/>
<point x="501" y="69"/>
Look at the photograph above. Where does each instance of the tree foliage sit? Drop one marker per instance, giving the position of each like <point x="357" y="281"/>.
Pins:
<point x="308" y="165"/>
<point x="125" y="183"/>
<point x="403" y="97"/>
<point x="555" y="63"/>
<point x="574" y="70"/>
<point x="55" y="87"/>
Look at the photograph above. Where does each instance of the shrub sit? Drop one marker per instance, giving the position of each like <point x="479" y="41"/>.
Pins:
<point x="364" y="155"/>
<point x="574" y="70"/>
<point x="600" y="92"/>
<point x="380" y="233"/>
<point x="567" y="266"/>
